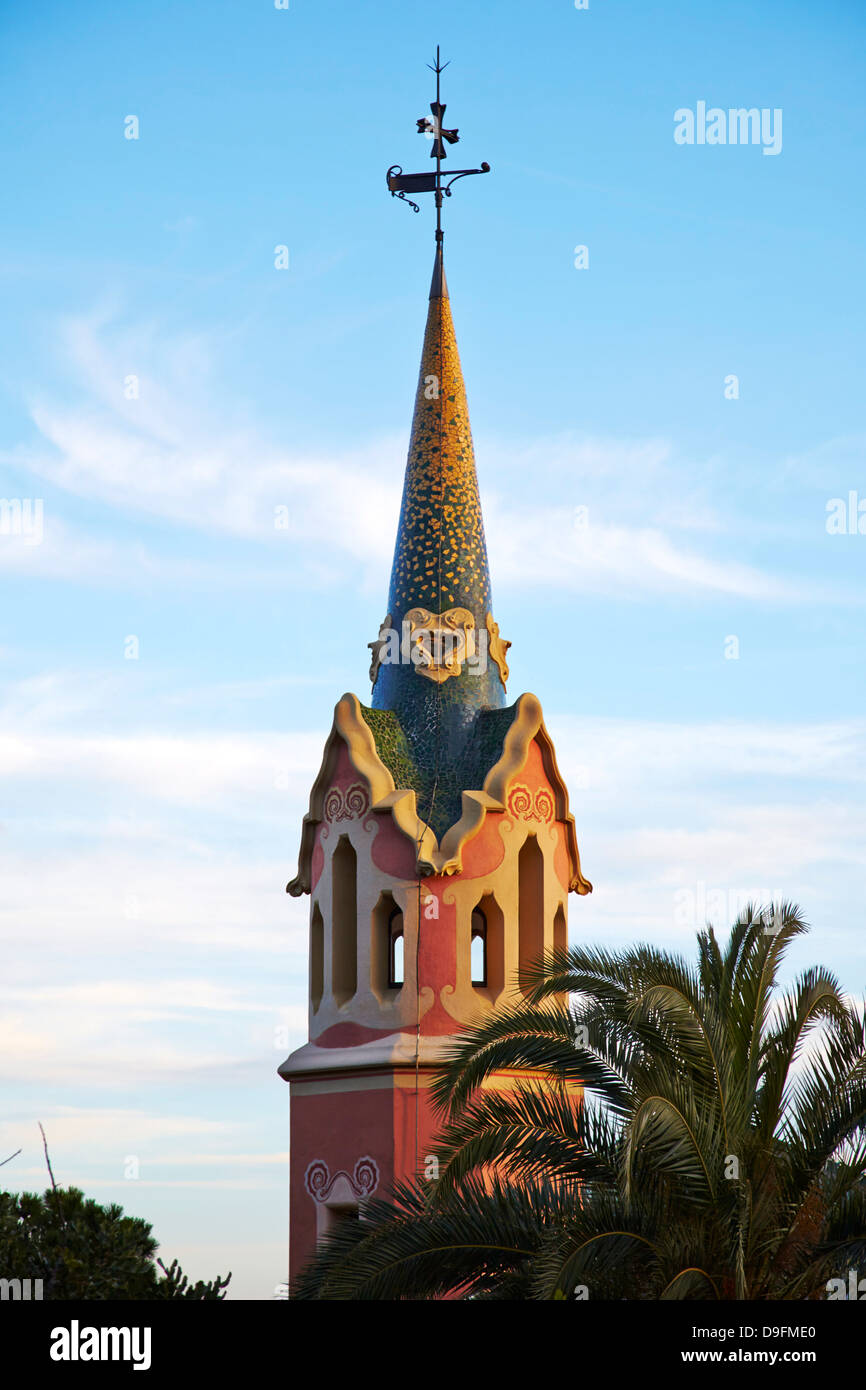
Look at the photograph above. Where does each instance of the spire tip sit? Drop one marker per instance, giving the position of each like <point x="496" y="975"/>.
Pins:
<point x="438" y="284"/>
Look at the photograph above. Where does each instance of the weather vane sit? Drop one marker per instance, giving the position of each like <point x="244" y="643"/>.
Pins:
<point x="400" y="184"/>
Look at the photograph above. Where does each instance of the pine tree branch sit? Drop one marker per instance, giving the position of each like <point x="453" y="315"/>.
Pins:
<point x="47" y="1159"/>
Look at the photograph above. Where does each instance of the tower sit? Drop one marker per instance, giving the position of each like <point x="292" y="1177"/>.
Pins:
<point x="438" y="850"/>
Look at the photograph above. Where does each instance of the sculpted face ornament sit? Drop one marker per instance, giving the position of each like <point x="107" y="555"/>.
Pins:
<point x="439" y="644"/>
<point x="436" y="644"/>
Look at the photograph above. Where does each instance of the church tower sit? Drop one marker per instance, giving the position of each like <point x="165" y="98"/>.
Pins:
<point x="438" y="850"/>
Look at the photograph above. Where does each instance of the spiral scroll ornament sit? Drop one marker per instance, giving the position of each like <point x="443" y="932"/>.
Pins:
<point x="350" y="805"/>
<point x="317" y="1180"/>
<point x="365" y="1178"/>
<point x="523" y="805"/>
<point x="320" y="1184"/>
<point x="357" y="801"/>
<point x="520" y="802"/>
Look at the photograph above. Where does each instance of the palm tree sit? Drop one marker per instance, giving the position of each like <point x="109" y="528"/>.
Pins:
<point x="719" y="1151"/>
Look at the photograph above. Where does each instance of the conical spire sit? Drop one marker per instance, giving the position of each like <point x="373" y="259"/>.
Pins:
<point x="440" y="560"/>
<point x="440" y="581"/>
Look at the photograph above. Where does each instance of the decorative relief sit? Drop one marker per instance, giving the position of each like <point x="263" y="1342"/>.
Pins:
<point x="320" y="1184"/>
<point x="438" y="644"/>
<point x="442" y="641"/>
<point x="376" y="647"/>
<point x="350" y="805"/>
<point x="497" y="647"/>
<point x="523" y="805"/>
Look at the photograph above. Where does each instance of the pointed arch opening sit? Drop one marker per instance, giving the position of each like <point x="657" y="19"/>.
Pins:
<point x="387" y="948"/>
<point x="530" y="909"/>
<point x="560" y="930"/>
<point x="478" y="950"/>
<point x="344" y="922"/>
<point x="560" y="943"/>
<point x="317" y="957"/>
<point x="396" y="946"/>
<point x="487" y="947"/>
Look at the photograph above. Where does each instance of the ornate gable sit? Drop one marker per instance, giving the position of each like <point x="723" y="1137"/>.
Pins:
<point x="378" y="792"/>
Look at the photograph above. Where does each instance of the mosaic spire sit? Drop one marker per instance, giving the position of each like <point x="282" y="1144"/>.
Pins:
<point x="440" y="560"/>
<point x="439" y="659"/>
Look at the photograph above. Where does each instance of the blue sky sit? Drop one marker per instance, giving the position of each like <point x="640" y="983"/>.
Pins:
<point x="155" y="970"/>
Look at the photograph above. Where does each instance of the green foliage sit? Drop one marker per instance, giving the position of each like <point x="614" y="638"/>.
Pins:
<point x="81" y="1250"/>
<point x="719" y="1152"/>
<point x="176" y="1285"/>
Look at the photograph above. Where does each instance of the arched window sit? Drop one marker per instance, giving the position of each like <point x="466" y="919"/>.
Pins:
<point x="344" y="924"/>
<point x="396" y="965"/>
<point x="317" y="956"/>
<point x="560" y="942"/>
<point x="487" y="947"/>
<point x="530" y="910"/>
<point x="560" y="930"/>
<point x="478" y="948"/>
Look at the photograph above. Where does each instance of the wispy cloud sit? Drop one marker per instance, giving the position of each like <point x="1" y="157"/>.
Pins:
<point x="71" y="1125"/>
<point x="187" y="770"/>
<point x="177" y="456"/>
<point x="544" y="547"/>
